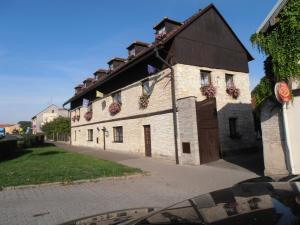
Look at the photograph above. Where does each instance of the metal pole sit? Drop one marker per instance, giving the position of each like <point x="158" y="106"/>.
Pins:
<point x="174" y="108"/>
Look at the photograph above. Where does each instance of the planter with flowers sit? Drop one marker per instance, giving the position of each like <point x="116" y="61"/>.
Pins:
<point x="233" y="92"/>
<point x="78" y="117"/>
<point x="114" y="108"/>
<point x="209" y="91"/>
<point x="88" y="115"/>
<point x="73" y="118"/>
<point x="144" y="101"/>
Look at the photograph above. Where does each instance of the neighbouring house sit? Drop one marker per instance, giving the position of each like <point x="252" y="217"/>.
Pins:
<point x="47" y="115"/>
<point x="12" y="128"/>
<point x="184" y="97"/>
<point x="280" y="136"/>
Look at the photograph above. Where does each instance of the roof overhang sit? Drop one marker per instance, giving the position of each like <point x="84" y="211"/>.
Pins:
<point x="270" y="20"/>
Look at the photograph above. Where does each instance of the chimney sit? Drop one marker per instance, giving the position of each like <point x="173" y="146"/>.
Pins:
<point x="115" y="63"/>
<point x="135" y="48"/>
<point x="165" y="26"/>
<point x="88" y="82"/>
<point x="78" y="88"/>
<point x="100" y="74"/>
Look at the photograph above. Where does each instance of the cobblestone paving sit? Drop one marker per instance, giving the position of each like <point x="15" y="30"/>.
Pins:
<point x="167" y="184"/>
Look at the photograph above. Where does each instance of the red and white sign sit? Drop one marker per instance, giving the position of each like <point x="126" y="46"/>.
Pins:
<point x="283" y="92"/>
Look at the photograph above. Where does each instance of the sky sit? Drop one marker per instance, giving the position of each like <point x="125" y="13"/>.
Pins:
<point x="48" y="47"/>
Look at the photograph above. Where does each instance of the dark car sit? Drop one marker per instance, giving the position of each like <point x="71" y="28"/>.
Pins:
<point x="264" y="203"/>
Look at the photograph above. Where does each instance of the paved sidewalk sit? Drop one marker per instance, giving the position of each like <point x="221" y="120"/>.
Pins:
<point x="167" y="184"/>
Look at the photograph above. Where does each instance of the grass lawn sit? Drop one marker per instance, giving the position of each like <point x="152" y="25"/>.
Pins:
<point x="52" y="164"/>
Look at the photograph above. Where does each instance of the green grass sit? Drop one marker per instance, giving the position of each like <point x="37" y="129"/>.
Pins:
<point x="52" y="164"/>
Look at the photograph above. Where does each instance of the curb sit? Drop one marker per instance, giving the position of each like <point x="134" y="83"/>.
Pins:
<point x="96" y="180"/>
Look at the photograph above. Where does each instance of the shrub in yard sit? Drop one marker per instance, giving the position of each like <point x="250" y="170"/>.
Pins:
<point x="7" y="148"/>
<point x="33" y="140"/>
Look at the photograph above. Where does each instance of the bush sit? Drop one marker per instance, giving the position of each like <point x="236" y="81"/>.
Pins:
<point x="33" y="140"/>
<point x="8" y="148"/>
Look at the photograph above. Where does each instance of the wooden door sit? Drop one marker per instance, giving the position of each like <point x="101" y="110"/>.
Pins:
<point x="147" y="135"/>
<point x="208" y="132"/>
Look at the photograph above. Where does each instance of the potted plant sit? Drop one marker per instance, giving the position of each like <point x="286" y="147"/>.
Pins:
<point x="88" y="115"/>
<point x="114" y="108"/>
<point x="159" y="37"/>
<point x="233" y="92"/>
<point x="144" y="101"/>
<point x="209" y="91"/>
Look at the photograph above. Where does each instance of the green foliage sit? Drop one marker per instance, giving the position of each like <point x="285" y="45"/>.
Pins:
<point x="23" y="125"/>
<point x="60" y="125"/>
<point x="281" y="44"/>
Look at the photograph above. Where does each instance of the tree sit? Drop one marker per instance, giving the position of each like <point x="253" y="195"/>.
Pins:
<point x="23" y="126"/>
<point x="281" y="43"/>
<point x="60" y="125"/>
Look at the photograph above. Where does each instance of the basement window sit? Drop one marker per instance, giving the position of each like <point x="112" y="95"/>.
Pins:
<point x="233" y="128"/>
<point x="186" y="147"/>
<point x="205" y="78"/>
<point x="90" y="134"/>
<point x="118" y="134"/>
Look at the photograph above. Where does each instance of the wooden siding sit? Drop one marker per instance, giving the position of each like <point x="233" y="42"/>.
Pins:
<point x="209" y="42"/>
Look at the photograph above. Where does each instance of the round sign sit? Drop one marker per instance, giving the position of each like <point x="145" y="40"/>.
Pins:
<point x="282" y="92"/>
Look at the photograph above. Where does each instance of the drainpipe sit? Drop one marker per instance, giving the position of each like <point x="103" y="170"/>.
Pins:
<point x="174" y="108"/>
<point x="287" y="139"/>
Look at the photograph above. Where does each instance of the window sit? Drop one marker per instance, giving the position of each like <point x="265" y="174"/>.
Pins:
<point x="118" y="134"/>
<point x="146" y="87"/>
<point x="186" y="147"/>
<point x="111" y="66"/>
<point x="162" y="31"/>
<point x="229" y="80"/>
<point x="132" y="52"/>
<point x="52" y="111"/>
<point x="117" y="97"/>
<point x="233" y="127"/>
<point x="90" y="134"/>
<point x="205" y="78"/>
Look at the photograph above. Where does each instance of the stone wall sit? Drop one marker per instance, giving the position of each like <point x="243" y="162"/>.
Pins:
<point x="273" y="140"/>
<point x="188" y="84"/>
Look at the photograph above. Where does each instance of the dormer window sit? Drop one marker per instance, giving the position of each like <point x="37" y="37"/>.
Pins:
<point x="132" y="52"/>
<point x="111" y="66"/>
<point x="162" y="31"/>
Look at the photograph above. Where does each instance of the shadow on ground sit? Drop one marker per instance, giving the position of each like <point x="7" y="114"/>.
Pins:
<point x="252" y="161"/>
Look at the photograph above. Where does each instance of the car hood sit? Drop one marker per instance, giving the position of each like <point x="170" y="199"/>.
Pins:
<point x="247" y="203"/>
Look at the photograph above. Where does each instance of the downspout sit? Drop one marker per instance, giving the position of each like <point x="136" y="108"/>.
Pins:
<point x="287" y="139"/>
<point x="174" y="108"/>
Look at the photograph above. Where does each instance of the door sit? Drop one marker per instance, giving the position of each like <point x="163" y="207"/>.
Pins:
<point x="208" y="132"/>
<point x="147" y="135"/>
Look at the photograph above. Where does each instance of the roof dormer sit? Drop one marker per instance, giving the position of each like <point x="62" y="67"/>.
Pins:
<point x="88" y="82"/>
<point x="78" y="88"/>
<point x="165" y="26"/>
<point x="115" y="63"/>
<point x="100" y="74"/>
<point x="136" y="47"/>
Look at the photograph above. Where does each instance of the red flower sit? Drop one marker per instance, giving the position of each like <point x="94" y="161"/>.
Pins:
<point x="114" y="108"/>
<point x="144" y="101"/>
<point x="233" y="92"/>
<point x="209" y="91"/>
<point x="88" y="115"/>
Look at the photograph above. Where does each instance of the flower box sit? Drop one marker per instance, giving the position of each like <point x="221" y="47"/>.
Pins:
<point x="88" y="115"/>
<point x="233" y="92"/>
<point x="114" y="108"/>
<point x="144" y="101"/>
<point x="209" y="91"/>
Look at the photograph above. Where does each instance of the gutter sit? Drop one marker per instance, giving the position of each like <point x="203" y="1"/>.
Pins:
<point x="174" y="108"/>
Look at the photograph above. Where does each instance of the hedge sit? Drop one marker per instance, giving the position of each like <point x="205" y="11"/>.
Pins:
<point x="8" y="148"/>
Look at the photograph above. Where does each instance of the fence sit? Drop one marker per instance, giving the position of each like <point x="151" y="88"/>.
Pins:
<point x="58" y="137"/>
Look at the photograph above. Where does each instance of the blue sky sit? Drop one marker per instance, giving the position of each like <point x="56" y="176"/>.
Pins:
<point x="48" y="47"/>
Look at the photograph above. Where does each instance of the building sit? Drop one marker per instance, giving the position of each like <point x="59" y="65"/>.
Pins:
<point x="12" y="128"/>
<point x="280" y="136"/>
<point x="154" y="102"/>
<point x="47" y="115"/>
